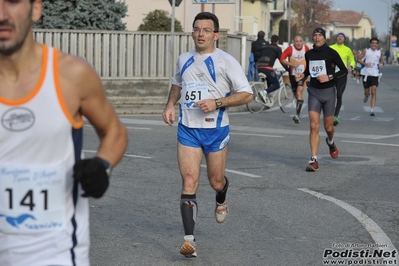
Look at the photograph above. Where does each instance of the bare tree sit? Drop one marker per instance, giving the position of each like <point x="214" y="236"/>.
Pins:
<point x="311" y="14"/>
<point x="395" y="20"/>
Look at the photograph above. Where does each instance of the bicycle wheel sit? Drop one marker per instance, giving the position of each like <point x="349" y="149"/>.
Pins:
<point x="286" y="98"/>
<point x="256" y="105"/>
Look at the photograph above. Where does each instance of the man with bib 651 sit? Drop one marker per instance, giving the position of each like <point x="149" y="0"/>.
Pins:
<point x="203" y="83"/>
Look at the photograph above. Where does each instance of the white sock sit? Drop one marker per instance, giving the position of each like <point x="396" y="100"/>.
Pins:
<point x="330" y="142"/>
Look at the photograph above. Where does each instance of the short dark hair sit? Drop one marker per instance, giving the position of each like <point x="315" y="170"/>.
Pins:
<point x="261" y="34"/>
<point x="274" y="39"/>
<point x="374" y="39"/>
<point x="208" y="15"/>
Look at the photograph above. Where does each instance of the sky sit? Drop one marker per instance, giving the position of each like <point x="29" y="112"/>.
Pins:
<point x="377" y="10"/>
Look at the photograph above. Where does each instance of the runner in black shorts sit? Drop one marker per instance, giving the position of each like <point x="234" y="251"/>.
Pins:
<point x="320" y="65"/>
<point x="372" y="61"/>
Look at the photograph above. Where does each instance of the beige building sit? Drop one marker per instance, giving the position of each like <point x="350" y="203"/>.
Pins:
<point x="185" y="13"/>
<point x="262" y="15"/>
<point x="244" y="16"/>
<point x="353" y="24"/>
<point x="248" y="16"/>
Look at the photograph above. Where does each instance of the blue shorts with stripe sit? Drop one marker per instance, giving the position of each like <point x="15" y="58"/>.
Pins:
<point x="209" y="139"/>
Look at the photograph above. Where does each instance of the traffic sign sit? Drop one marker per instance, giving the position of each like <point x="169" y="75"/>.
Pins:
<point x="177" y="2"/>
<point x="214" y="1"/>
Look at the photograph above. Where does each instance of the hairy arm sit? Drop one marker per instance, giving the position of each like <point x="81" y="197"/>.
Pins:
<point x="287" y="53"/>
<point x="360" y="57"/>
<point x="169" y="113"/>
<point x="236" y="99"/>
<point x="302" y="76"/>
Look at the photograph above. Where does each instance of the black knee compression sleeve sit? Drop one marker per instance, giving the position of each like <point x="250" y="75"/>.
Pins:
<point x="299" y="104"/>
<point x="189" y="211"/>
<point x="221" y="195"/>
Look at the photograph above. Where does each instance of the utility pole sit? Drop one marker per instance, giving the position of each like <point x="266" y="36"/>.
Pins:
<point x="171" y="43"/>
<point x="289" y="22"/>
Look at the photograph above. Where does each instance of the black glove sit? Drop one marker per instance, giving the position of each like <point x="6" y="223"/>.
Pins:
<point x="92" y="175"/>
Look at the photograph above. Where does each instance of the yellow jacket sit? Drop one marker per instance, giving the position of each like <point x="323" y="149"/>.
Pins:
<point x="345" y="53"/>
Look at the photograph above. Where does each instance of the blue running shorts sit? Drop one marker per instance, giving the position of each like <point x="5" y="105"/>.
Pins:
<point x="209" y="139"/>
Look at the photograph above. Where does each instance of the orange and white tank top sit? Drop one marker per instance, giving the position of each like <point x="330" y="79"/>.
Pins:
<point x="299" y="56"/>
<point x="43" y="218"/>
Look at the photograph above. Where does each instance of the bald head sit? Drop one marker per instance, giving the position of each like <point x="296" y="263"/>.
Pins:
<point x="298" y="42"/>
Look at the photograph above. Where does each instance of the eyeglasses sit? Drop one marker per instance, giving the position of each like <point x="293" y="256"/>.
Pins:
<point x="205" y="30"/>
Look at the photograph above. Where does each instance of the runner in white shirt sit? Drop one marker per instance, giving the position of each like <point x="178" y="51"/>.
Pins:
<point x="44" y="185"/>
<point x="203" y="83"/>
<point x="372" y="61"/>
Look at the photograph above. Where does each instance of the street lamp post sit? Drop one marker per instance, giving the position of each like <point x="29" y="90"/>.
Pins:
<point x="388" y="23"/>
<point x="289" y="22"/>
<point x="171" y="43"/>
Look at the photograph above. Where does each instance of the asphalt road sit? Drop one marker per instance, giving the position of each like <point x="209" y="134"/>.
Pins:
<point x="279" y="213"/>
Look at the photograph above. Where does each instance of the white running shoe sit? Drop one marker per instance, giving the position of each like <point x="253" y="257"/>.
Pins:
<point x="188" y="248"/>
<point x="263" y="95"/>
<point x="221" y="212"/>
<point x="296" y="119"/>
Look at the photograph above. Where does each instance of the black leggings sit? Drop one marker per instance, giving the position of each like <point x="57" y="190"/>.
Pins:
<point x="340" y="85"/>
<point x="273" y="81"/>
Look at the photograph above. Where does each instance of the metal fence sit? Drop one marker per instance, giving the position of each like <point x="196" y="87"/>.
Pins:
<point x="133" y="55"/>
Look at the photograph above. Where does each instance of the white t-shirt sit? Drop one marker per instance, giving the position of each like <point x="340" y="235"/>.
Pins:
<point x="372" y="57"/>
<point x="207" y="76"/>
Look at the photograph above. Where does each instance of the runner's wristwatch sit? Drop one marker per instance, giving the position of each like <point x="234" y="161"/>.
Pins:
<point x="108" y="166"/>
<point x="218" y="103"/>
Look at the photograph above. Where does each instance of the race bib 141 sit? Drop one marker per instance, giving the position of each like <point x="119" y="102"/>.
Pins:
<point x="32" y="198"/>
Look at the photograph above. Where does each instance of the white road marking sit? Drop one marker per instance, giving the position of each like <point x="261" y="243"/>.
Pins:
<point x="374" y="230"/>
<point x="356" y="118"/>
<point x="143" y="122"/>
<point x="389" y="136"/>
<point x="376" y="109"/>
<point x="125" y="155"/>
<point x="371" y="143"/>
<point x="258" y="135"/>
<point x="137" y="156"/>
<point x="262" y="131"/>
<point x="383" y="119"/>
<point x="237" y="172"/>
<point x="139" y="128"/>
